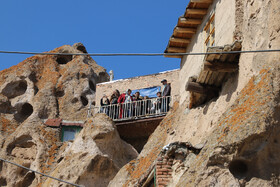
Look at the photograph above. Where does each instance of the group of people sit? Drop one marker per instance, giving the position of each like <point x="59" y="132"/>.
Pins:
<point x="127" y="105"/>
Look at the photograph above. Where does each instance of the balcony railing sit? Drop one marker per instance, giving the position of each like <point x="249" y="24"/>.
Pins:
<point x="136" y="109"/>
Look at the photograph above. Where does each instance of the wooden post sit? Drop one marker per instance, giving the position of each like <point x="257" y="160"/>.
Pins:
<point x="202" y="89"/>
<point x="220" y="66"/>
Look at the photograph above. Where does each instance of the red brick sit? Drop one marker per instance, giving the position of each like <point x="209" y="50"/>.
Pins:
<point x="170" y="159"/>
<point x="160" y="185"/>
<point x="159" y="173"/>
<point x="163" y="183"/>
<point x="170" y="163"/>
<point x="167" y="166"/>
<point x="164" y="160"/>
<point x="163" y="176"/>
<point x="164" y="169"/>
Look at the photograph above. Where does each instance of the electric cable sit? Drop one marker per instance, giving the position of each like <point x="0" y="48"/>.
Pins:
<point x="40" y="173"/>
<point x="141" y="54"/>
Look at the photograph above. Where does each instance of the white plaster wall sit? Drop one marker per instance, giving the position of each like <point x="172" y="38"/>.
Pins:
<point x="224" y="32"/>
<point x="140" y="82"/>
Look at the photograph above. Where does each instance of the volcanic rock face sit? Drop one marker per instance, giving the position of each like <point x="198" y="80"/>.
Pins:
<point x="239" y="129"/>
<point x="50" y="86"/>
<point x="95" y="156"/>
<point x="39" y="88"/>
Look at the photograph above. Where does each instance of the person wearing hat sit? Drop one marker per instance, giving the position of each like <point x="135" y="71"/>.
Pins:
<point x="166" y="90"/>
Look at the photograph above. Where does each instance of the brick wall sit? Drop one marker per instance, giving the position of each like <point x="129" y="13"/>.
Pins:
<point x="164" y="171"/>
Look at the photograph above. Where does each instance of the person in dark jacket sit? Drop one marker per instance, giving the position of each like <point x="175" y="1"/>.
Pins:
<point x="104" y="103"/>
<point x="137" y="104"/>
<point x="114" y="101"/>
<point x="166" y="92"/>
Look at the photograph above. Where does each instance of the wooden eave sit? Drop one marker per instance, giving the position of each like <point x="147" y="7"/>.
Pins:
<point x="186" y="27"/>
<point x="214" y="72"/>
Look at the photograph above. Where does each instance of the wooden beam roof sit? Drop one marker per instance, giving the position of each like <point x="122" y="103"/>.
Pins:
<point x="183" y="20"/>
<point x="187" y="26"/>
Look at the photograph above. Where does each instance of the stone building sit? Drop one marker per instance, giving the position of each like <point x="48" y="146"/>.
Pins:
<point x="206" y="26"/>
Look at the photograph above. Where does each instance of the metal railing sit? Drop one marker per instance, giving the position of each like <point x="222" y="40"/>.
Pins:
<point x="136" y="109"/>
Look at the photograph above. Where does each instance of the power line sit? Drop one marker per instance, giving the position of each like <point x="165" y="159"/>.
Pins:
<point x="40" y="173"/>
<point x="141" y="54"/>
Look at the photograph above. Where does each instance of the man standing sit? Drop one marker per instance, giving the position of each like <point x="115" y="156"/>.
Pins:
<point x="166" y="90"/>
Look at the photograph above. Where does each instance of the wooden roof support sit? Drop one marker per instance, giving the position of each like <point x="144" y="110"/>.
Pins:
<point x="202" y="89"/>
<point x="201" y="1"/>
<point x="220" y="66"/>
<point x="190" y="21"/>
<point x="196" y="11"/>
<point x="185" y="30"/>
<point x="176" y="50"/>
<point x="180" y="40"/>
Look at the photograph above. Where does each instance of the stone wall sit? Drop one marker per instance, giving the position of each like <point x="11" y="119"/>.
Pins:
<point x="140" y="82"/>
<point x="224" y="34"/>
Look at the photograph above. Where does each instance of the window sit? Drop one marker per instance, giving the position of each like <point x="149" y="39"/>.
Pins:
<point x="209" y="31"/>
<point x="69" y="132"/>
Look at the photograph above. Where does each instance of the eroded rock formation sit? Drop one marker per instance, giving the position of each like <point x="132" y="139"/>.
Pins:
<point x="95" y="156"/>
<point x="51" y="86"/>
<point x="239" y="129"/>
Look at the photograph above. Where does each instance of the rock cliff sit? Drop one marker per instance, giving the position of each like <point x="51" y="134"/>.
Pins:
<point x="238" y="131"/>
<point x="56" y="86"/>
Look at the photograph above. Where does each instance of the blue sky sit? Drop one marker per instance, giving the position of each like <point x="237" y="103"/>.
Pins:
<point x="123" y="26"/>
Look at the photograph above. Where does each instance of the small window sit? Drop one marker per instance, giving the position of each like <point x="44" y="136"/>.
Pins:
<point x="210" y="32"/>
<point x="69" y="132"/>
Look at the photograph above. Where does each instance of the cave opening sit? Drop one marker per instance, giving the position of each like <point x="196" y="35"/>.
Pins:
<point x="84" y="100"/>
<point x="14" y="89"/>
<point x="64" y="59"/>
<point x="3" y="182"/>
<point x="238" y="168"/>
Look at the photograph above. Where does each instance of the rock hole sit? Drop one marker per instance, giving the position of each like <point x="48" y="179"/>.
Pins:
<point x="74" y="100"/>
<point x="26" y="110"/>
<point x="14" y="89"/>
<point x="6" y="108"/>
<point x="84" y="100"/>
<point x="24" y="141"/>
<point x="64" y="59"/>
<point x="3" y="181"/>
<point x="33" y="77"/>
<point x="82" y="49"/>
<point x="59" y="93"/>
<point x="79" y="46"/>
<point x="36" y="90"/>
<point x="92" y="85"/>
<point x="60" y="159"/>
<point x="43" y="113"/>
<point x="238" y="168"/>
<point x="1" y="165"/>
<point x="28" y="179"/>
